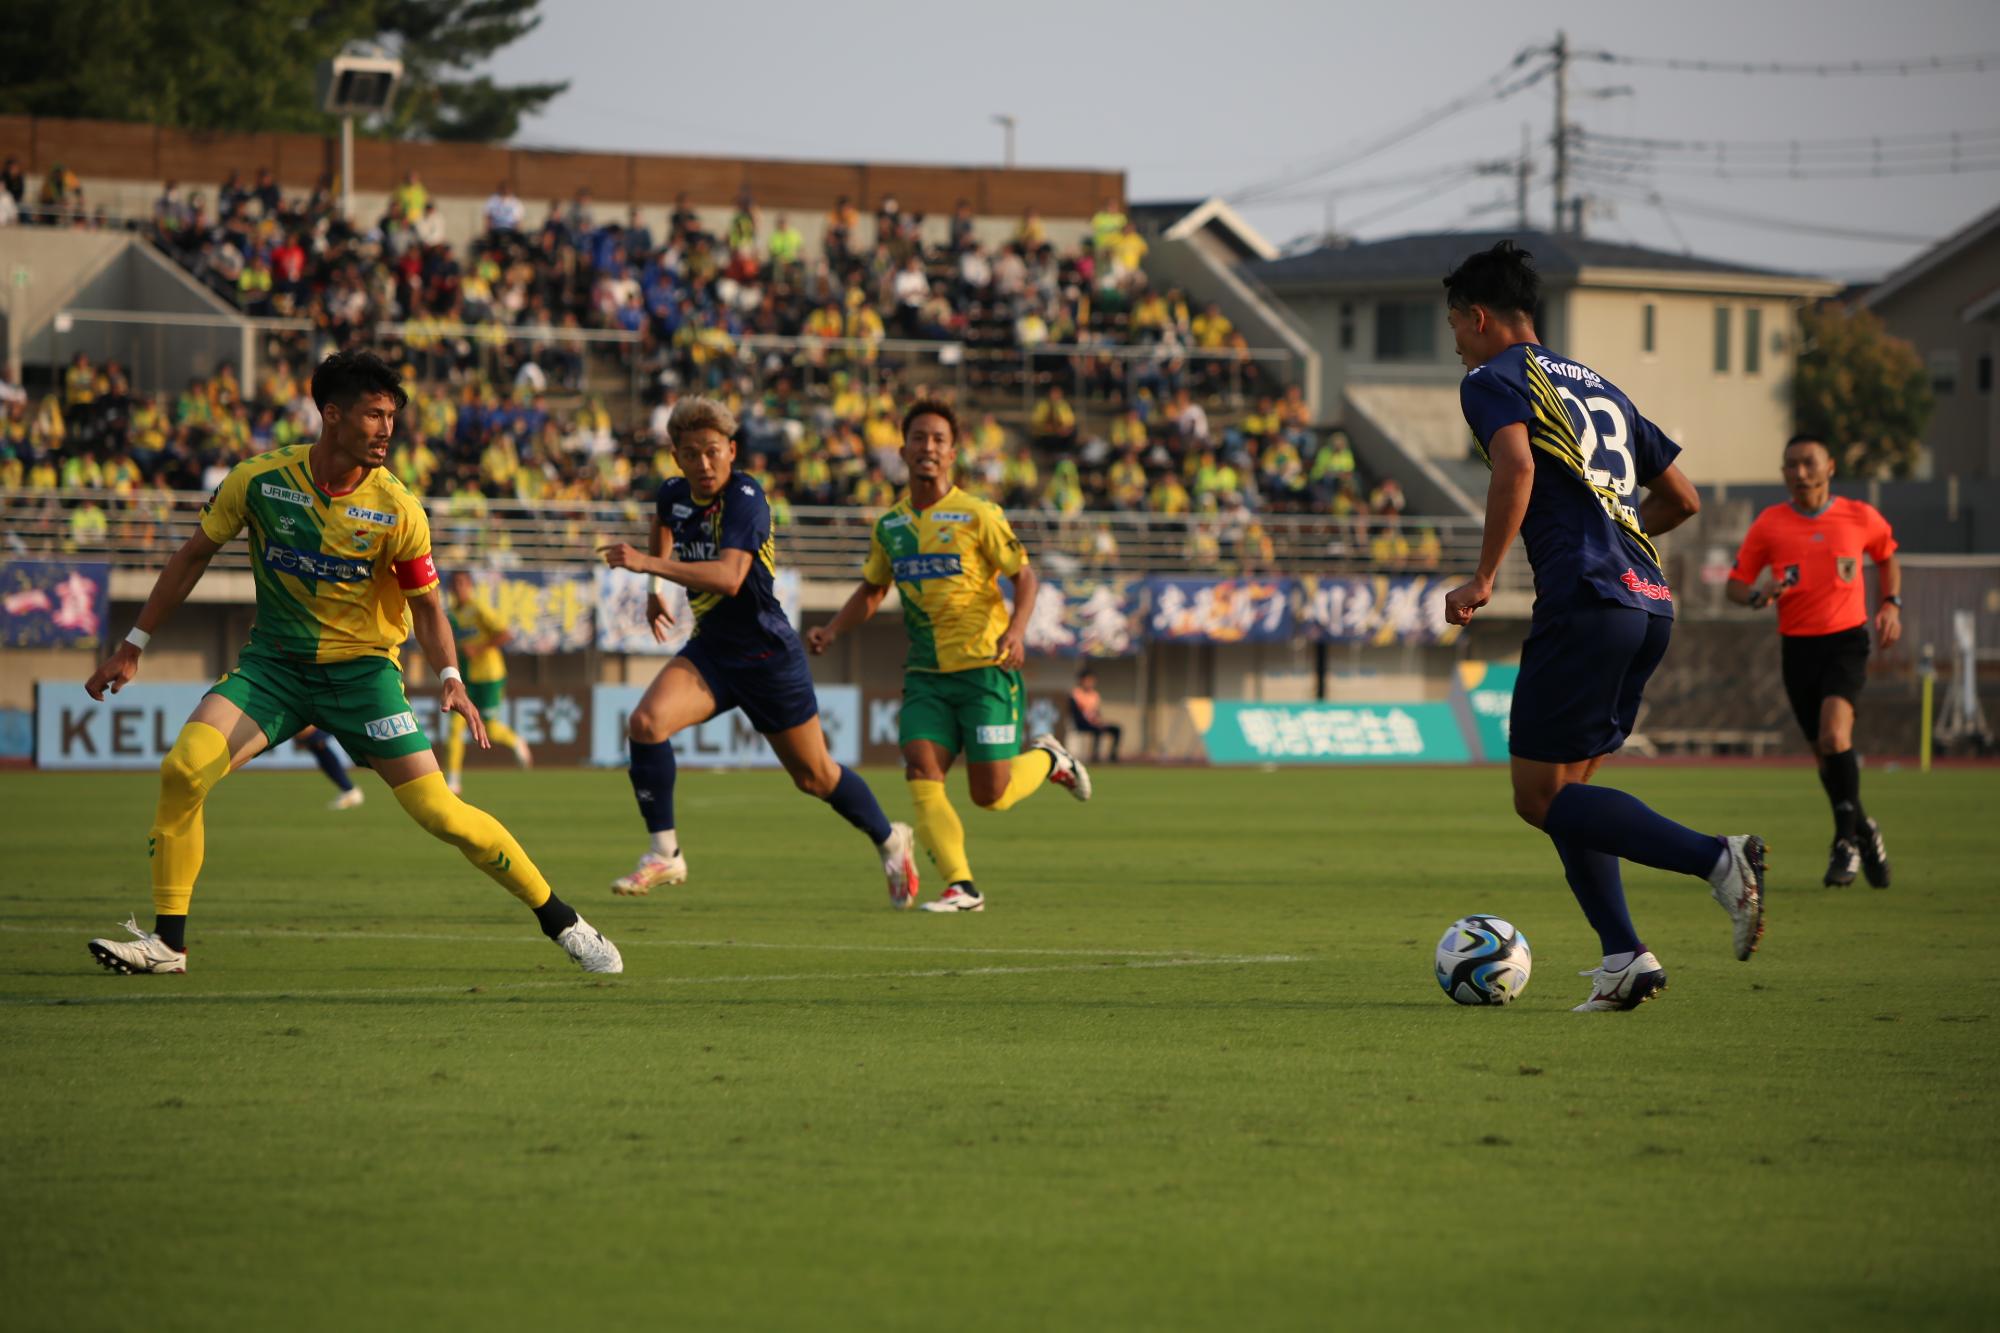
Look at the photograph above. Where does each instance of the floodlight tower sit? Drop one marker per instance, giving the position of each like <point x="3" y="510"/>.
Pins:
<point x="360" y="81"/>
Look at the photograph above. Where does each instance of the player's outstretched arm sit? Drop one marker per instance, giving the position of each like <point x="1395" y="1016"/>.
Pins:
<point x="1013" y="647"/>
<point x="432" y="627"/>
<point x="861" y="604"/>
<point x="1506" y="505"/>
<point x="724" y="574"/>
<point x="1671" y="500"/>
<point x="184" y="569"/>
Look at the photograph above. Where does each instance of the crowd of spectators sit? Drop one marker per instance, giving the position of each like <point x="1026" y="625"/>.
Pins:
<point x="488" y="337"/>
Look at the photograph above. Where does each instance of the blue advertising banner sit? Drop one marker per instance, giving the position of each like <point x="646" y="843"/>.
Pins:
<point x="1087" y="618"/>
<point x="1327" y="733"/>
<point x="1220" y="610"/>
<point x="726" y="740"/>
<point x="1488" y="691"/>
<point x="1375" y="608"/>
<point x="53" y="603"/>
<point x="548" y="611"/>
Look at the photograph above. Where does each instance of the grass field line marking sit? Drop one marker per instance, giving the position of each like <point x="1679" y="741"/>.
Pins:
<point x="906" y="974"/>
<point x="524" y="938"/>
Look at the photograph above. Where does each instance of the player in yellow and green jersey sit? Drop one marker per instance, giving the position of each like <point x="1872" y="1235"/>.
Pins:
<point x="945" y="552"/>
<point x="341" y="555"/>
<point x="480" y="633"/>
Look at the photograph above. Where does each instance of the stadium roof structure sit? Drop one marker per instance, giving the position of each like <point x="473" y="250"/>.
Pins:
<point x="1946" y="250"/>
<point x="1428" y="256"/>
<point x="1183" y="219"/>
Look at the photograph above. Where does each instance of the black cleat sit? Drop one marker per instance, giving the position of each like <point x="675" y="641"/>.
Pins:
<point x="1874" y="856"/>
<point x="1842" y="864"/>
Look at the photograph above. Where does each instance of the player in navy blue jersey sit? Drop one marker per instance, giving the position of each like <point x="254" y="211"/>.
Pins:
<point x="1569" y="455"/>
<point x="712" y="535"/>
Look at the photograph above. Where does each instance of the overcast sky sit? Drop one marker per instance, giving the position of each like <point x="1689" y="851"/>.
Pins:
<point x="1193" y="99"/>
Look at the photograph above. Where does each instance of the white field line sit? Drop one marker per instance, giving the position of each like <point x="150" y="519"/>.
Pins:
<point x="164" y="990"/>
<point x="529" y="936"/>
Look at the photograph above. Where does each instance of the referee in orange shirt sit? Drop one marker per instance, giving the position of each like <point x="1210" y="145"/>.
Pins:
<point x="1813" y="545"/>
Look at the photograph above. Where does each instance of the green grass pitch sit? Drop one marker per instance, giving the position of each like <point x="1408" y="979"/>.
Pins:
<point x="1188" y="1070"/>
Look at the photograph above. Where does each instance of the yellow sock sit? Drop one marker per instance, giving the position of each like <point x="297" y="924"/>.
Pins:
<point x="479" y="835"/>
<point x="454" y="747"/>
<point x="940" y="831"/>
<point x="199" y="760"/>
<point x="500" y="732"/>
<point x="1030" y="769"/>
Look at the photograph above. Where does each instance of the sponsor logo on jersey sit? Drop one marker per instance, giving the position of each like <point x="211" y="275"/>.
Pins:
<point x="313" y="565"/>
<point x="917" y="568"/>
<point x="388" y="728"/>
<point x="1847" y="566"/>
<point x="748" y="489"/>
<point x="895" y="521"/>
<point x="290" y="497"/>
<point x="1656" y="592"/>
<point x="939" y="516"/>
<point x="682" y="511"/>
<point x="696" y="550"/>
<point x="995" y="735"/>
<point x="1570" y="370"/>
<point x="371" y="516"/>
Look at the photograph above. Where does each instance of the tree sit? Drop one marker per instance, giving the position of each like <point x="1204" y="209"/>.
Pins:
<point x="438" y="40"/>
<point x="1861" y="389"/>
<point x="250" y="66"/>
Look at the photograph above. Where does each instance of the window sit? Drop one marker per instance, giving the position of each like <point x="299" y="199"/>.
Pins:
<point x="1405" y="331"/>
<point x="1722" y="340"/>
<point x="1347" y="326"/>
<point x="1646" y="340"/>
<point x="1944" y="371"/>
<point x="1753" y="337"/>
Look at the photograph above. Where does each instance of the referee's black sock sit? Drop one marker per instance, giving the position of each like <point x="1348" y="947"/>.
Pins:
<point x="1840" y="774"/>
<point x="555" y="916"/>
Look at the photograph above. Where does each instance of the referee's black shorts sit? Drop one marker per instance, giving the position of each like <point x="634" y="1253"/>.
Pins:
<point x="1818" y="667"/>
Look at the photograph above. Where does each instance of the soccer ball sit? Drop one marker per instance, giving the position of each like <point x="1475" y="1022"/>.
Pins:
<point x="1483" y="960"/>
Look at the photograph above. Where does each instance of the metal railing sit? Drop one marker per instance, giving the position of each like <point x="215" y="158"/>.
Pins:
<point x="143" y="528"/>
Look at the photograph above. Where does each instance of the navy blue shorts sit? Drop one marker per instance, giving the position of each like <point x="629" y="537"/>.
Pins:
<point x="1583" y="673"/>
<point x="775" y="691"/>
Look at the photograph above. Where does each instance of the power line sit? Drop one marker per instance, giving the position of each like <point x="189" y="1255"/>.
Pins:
<point x="1793" y="225"/>
<point x="1497" y="87"/>
<point x="1972" y="64"/>
<point x="1987" y="160"/>
<point x="1896" y="141"/>
<point x="1432" y="174"/>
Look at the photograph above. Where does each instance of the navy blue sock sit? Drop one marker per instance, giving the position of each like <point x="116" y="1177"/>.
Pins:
<point x="1600" y="892"/>
<point x="329" y="762"/>
<point x="652" y="774"/>
<point x="856" y="804"/>
<point x="1604" y="819"/>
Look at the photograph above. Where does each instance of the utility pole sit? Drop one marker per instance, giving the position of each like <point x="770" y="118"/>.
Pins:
<point x="1521" y="170"/>
<point x="1006" y="124"/>
<point x="1561" y="140"/>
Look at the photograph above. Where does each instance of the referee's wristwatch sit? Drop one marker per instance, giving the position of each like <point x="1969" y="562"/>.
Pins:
<point x="1891" y="600"/>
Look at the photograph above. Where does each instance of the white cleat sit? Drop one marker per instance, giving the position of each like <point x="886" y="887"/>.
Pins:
<point x="1627" y="988"/>
<point x="1739" y="887"/>
<point x="899" y="865"/>
<point x="956" y="899"/>
<point x="522" y="754"/>
<point x="590" y="950"/>
<point x="347" y="800"/>
<point x="147" y="953"/>
<point x="1065" y="770"/>
<point x="653" y="870"/>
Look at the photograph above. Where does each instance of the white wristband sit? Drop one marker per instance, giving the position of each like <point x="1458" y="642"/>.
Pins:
<point x="138" y="638"/>
<point x="451" y="673"/>
<point x="657" y="586"/>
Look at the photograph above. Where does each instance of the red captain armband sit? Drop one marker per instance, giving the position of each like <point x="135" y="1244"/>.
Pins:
<point x="416" y="575"/>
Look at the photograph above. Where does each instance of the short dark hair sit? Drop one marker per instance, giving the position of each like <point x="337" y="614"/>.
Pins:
<point x="345" y="378"/>
<point x="1499" y="279"/>
<point x="1810" y="437"/>
<point x="931" y="407"/>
